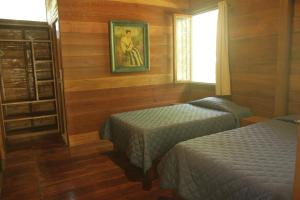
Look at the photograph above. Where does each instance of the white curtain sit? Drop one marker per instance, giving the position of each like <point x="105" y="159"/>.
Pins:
<point x="223" y="86"/>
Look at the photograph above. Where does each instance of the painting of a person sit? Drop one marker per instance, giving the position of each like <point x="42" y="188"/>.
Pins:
<point x="130" y="54"/>
<point x="129" y="42"/>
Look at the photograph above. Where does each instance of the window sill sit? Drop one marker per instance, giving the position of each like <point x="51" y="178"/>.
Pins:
<point x="203" y="84"/>
<point x="182" y="82"/>
<point x="195" y="83"/>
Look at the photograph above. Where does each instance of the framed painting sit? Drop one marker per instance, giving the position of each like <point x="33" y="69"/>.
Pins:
<point x="129" y="46"/>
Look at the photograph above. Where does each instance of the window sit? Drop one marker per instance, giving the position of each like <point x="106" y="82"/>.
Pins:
<point x="183" y="47"/>
<point x="195" y="47"/>
<point x="204" y="37"/>
<point x="31" y="10"/>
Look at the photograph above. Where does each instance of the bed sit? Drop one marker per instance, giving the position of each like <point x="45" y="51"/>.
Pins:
<point x="253" y="162"/>
<point x="146" y="135"/>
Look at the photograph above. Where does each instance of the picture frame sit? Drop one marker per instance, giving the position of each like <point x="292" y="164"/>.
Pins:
<point x="129" y="46"/>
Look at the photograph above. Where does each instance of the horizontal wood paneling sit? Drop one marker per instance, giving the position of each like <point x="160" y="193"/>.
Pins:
<point x="283" y="57"/>
<point x="103" y="11"/>
<point x="84" y="138"/>
<point x="253" y="27"/>
<point x="177" y="4"/>
<point x="92" y="92"/>
<point x="253" y="42"/>
<point x="197" y="91"/>
<point x="117" y="82"/>
<point x="259" y="23"/>
<point x="88" y="114"/>
<point x="244" y="7"/>
<point x="254" y="55"/>
<point x="196" y="5"/>
<point x="82" y="50"/>
<point x="294" y="93"/>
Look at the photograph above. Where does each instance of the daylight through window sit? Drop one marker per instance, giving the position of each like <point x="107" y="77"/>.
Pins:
<point x="204" y="37"/>
<point x="195" y="48"/>
<point x="31" y="10"/>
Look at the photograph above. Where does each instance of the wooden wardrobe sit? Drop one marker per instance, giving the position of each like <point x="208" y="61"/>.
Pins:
<point x="29" y="103"/>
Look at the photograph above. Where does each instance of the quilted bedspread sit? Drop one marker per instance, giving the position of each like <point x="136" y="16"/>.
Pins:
<point x="254" y="162"/>
<point x="146" y="135"/>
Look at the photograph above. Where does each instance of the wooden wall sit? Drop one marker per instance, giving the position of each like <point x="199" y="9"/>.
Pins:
<point x="253" y="47"/>
<point x="196" y="5"/>
<point x="294" y="97"/>
<point x="92" y="92"/>
<point x="253" y="40"/>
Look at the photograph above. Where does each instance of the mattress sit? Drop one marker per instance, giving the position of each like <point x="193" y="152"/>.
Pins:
<point x="146" y="135"/>
<point x="253" y="162"/>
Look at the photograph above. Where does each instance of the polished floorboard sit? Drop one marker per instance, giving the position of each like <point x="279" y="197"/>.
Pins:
<point x="45" y="168"/>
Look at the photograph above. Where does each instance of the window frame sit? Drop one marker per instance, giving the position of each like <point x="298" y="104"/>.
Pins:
<point x="189" y="17"/>
<point x="204" y="10"/>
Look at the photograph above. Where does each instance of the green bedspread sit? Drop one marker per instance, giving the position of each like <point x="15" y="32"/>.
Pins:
<point x="146" y="135"/>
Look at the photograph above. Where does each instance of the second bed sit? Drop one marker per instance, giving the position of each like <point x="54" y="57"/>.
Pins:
<point x="253" y="162"/>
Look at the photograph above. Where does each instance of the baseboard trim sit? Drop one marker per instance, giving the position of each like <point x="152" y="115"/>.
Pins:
<point x="84" y="138"/>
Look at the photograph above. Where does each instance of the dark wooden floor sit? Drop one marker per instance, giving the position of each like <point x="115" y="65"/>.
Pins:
<point x="46" y="169"/>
